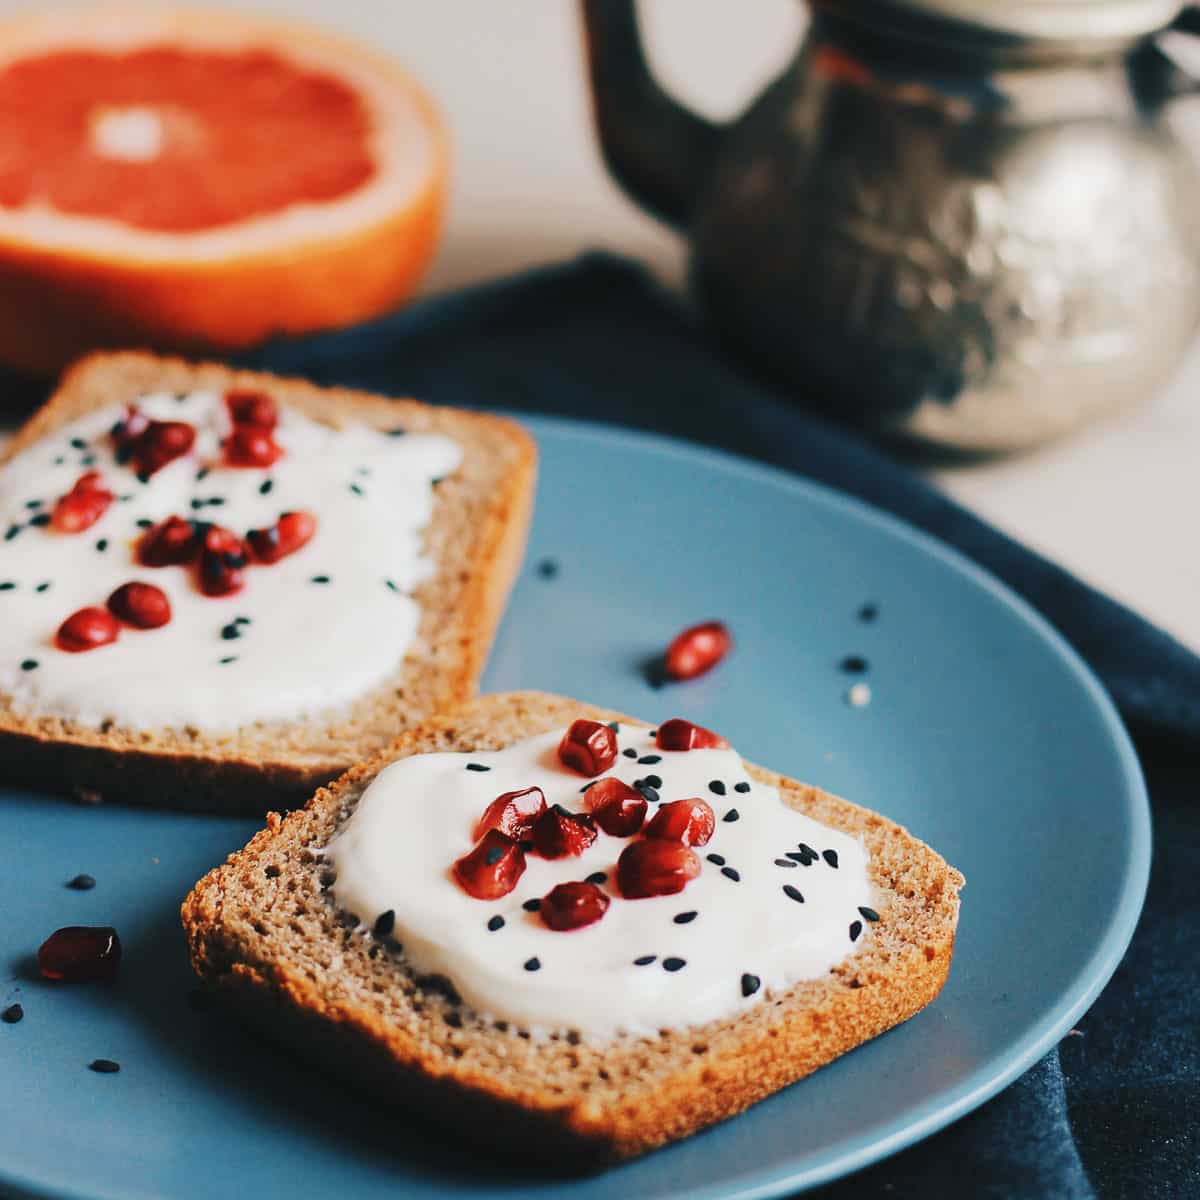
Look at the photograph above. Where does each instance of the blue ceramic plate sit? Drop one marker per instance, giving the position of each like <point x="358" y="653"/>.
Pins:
<point x="985" y="735"/>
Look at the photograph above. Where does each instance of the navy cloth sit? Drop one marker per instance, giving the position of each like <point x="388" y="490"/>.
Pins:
<point x="1114" y="1110"/>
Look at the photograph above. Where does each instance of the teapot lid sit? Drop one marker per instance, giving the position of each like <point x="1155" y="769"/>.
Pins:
<point x="1042" y="20"/>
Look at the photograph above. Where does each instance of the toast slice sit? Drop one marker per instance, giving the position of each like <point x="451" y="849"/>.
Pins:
<point x="475" y="537"/>
<point x="263" y="931"/>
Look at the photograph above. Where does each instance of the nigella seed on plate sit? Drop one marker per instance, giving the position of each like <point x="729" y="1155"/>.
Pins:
<point x="648" y="760"/>
<point x="494" y="923"/>
<point x="532" y="964"/>
<point x="77" y="443"/>
<point x="831" y="857"/>
<point x="357" y="490"/>
<point x="82" y="883"/>
<point x="12" y="532"/>
<point x="742" y="787"/>
<point x="477" y="767"/>
<point x="793" y="893"/>
<point x="731" y="815"/>
<point x="242" y="621"/>
<point x="647" y="791"/>
<point x="319" y="579"/>
<point x="730" y="873"/>
<point x="33" y="504"/>
<point x="750" y="984"/>
<point x="674" y="964"/>
<point x="805" y="860"/>
<point x="144" y="523"/>
<point x="615" y="726"/>
<point x="102" y="545"/>
<point x="391" y="585"/>
<point x="596" y="877"/>
<point x="532" y="904"/>
<point x="12" y="1014"/>
<point x="29" y="664"/>
<point x="654" y="781"/>
<point x="399" y="431"/>
<point x="104" y="1066"/>
<point x="231" y="631"/>
<point x="630" y="752"/>
<point x="229" y="658"/>
<point x="785" y="862"/>
<point x="853" y="664"/>
<point x="384" y="923"/>
<point x="685" y="918"/>
<point x="716" y="859"/>
<point x="7" y="585"/>
<point x="868" y="613"/>
<point x="645" y="960"/>
<point x="868" y="914"/>
<point x="264" y="488"/>
<point x="716" y="787"/>
<point x="547" y="569"/>
<point x="43" y="587"/>
<point x="40" y="521"/>
<point x="855" y="930"/>
<point x="202" y="474"/>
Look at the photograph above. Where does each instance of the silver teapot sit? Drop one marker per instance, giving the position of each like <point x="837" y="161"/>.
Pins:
<point x="965" y="222"/>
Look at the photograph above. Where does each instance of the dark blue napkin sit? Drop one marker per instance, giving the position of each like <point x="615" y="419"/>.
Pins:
<point x="1115" y="1110"/>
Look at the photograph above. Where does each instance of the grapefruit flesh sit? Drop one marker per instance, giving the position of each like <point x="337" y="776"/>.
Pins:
<point x="203" y="180"/>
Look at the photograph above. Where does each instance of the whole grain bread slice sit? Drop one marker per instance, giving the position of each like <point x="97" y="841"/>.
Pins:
<point x="476" y="538"/>
<point x="264" y="932"/>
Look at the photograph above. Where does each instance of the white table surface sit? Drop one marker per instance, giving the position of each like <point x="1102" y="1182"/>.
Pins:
<point x="1115" y="504"/>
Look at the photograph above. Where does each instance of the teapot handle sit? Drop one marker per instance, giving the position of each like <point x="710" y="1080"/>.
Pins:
<point x="660" y="151"/>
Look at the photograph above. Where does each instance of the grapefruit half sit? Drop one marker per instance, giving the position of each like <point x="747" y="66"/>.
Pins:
<point x="200" y="180"/>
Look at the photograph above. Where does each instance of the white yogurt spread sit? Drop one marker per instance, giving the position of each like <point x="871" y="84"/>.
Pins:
<point x="623" y="973"/>
<point x="302" y="647"/>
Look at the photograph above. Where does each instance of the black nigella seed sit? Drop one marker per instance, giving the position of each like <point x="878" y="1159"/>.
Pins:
<point x="855" y="930"/>
<point x="731" y="815"/>
<point x="144" y="523"/>
<point x="685" y="918"/>
<point x="853" y="664"/>
<point x="615" y="726"/>
<point x="229" y="658"/>
<point x="77" y="443"/>
<point x="241" y="620"/>
<point x="807" y="850"/>
<point x="391" y="585"/>
<point x="7" y="585"/>
<point x="201" y="474"/>
<point x="547" y="569"/>
<point x="58" y="462"/>
<point x="674" y="964"/>
<point x="477" y="767"/>
<point x="493" y="856"/>
<point x="532" y="904"/>
<point x="868" y="914"/>
<point x="82" y="883"/>
<point x="647" y="791"/>
<point x="357" y="490"/>
<point x="716" y="859"/>
<point x="11" y="532"/>
<point x="716" y="787"/>
<point x="645" y="960"/>
<point x="793" y="893"/>
<point x="799" y="856"/>
<point x="630" y="752"/>
<point x="29" y="664"/>
<point x="730" y="873"/>
<point x="385" y="923"/>
<point x="654" y="781"/>
<point x="596" y="877"/>
<point x="125" y="499"/>
<point x="231" y="631"/>
<point x="648" y="760"/>
<point x="868" y="612"/>
<point x="830" y="856"/>
<point x="742" y="787"/>
<point x="102" y="545"/>
<point x="104" y="1066"/>
<point x="40" y="521"/>
<point x="88" y="460"/>
<point x="532" y="964"/>
<point x="196" y="503"/>
<point x="785" y="862"/>
<point x="43" y="587"/>
<point x="143" y="477"/>
<point x="494" y="923"/>
<point x="319" y="579"/>
<point x="264" y="488"/>
<point x="750" y="984"/>
<point x="12" y="1014"/>
<point x="33" y="504"/>
<point x="399" y="431"/>
<point x="216" y="501"/>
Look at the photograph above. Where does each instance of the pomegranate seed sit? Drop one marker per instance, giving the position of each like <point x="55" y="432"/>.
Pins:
<point x="588" y="747"/>
<point x="169" y="543"/>
<point x="141" y="605"/>
<point x="251" y="446"/>
<point x="619" y="809"/>
<point x="160" y="443"/>
<point x="688" y="821"/>
<point x="492" y="868"/>
<point x="677" y="734"/>
<point x="513" y="813"/>
<point x="251" y="408"/>
<point x="573" y="905"/>
<point x="87" y="629"/>
<point x="558" y="833"/>
<point x="649" y="867"/>
<point x="697" y="650"/>
<point x="286" y="536"/>
<point x="82" y="506"/>
<point x="222" y="557"/>
<point x="80" y="954"/>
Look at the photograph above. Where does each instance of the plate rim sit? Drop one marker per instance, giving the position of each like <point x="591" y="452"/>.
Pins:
<point x="910" y="1126"/>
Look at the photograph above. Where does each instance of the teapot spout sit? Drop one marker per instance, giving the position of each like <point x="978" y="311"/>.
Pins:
<point x="659" y="151"/>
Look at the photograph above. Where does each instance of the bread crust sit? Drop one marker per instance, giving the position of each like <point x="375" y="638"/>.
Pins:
<point x="424" y="1054"/>
<point x="480" y="520"/>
